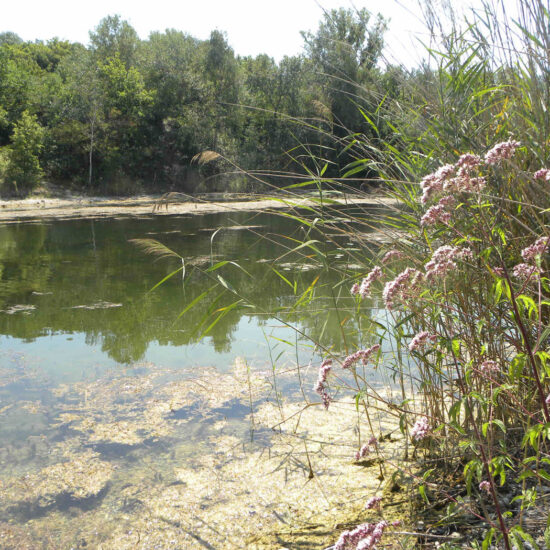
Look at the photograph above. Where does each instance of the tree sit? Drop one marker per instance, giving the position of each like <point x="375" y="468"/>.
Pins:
<point x="24" y="171"/>
<point x="345" y="51"/>
<point x="113" y="37"/>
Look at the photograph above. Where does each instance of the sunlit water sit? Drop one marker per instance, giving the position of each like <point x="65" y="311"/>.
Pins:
<point x="110" y="398"/>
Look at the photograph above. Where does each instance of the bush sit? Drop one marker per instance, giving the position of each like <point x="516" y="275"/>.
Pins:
<point x="24" y="171"/>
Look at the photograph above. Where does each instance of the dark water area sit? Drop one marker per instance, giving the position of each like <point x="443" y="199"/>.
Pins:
<point x="109" y="395"/>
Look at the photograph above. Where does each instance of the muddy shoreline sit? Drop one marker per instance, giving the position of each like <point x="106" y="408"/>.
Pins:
<point x="37" y="209"/>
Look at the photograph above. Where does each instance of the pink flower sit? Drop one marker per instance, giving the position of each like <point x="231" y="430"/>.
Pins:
<point x="485" y="486"/>
<point x="489" y="367"/>
<point x="547" y="400"/>
<point x="364" y="537"/>
<point x="498" y="271"/>
<point x="319" y="387"/>
<point x="536" y="249"/>
<point x="501" y="151"/>
<point x="355" y="289"/>
<point x="392" y="255"/>
<point x="396" y="523"/>
<point x="421" y="339"/>
<point x="373" y="502"/>
<point x="420" y="429"/>
<point x="467" y="162"/>
<point x="432" y="183"/>
<point x="542" y="174"/>
<point x="366" y="449"/>
<point x="374" y="275"/>
<point x="435" y="214"/>
<point x="401" y="286"/>
<point x="362" y="354"/>
<point x="443" y="260"/>
<point x="523" y="271"/>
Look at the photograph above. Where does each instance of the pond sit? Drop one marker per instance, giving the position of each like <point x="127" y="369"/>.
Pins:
<point x="121" y="426"/>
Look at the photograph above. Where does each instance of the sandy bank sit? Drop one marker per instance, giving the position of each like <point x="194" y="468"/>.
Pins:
<point x="34" y="209"/>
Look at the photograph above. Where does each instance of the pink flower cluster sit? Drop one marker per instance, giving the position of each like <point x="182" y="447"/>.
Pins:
<point x="401" y="286"/>
<point x="547" y="400"/>
<point x="433" y="183"/>
<point x="435" y="214"/>
<point x="542" y="174"/>
<point x="467" y="163"/>
<point x="501" y="151"/>
<point x="320" y="387"/>
<point x="444" y="260"/>
<point x="420" y="429"/>
<point x="364" y="537"/>
<point x="362" y="354"/>
<point x="523" y="271"/>
<point x="421" y="339"/>
<point x="489" y="367"/>
<point x="366" y="449"/>
<point x="373" y="502"/>
<point x="485" y="486"/>
<point x="536" y="249"/>
<point x="374" y="275"/>
<point x="392" y="255"/>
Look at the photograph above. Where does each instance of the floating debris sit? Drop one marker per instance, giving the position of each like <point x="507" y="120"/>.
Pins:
<point x="25" y="309"/>
<point x="97" y="305"/>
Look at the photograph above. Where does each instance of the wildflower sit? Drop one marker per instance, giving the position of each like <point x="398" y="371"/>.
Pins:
<point x="485" y="486"/>
<point x="319" y="387"/>
<point x="447" y="200"/>
<point x="420" y="429"/>
<point x="362" y="354"/>
<point x="536" y="249"/>
<point x="435" y="214"/>
<point x="443" y="260"/>
<point x="324" y="369"/>
<point x="398" y="288"/>
<point x="355" y="289"/>
<point x="363" y="537"/>
<point x="373" y="502"/>
<point x="366" y="449"/>
<point x="501" y="151"/>
<point x="489" y="367"/>
<point x="547" y="400"/>
<point x="467" y="162"/>
<point x="434" y="182"/>
<point x="523" y="271"/>
<point x="421" y="339"/>
<point x="396" y="523"/>
<point x="542" y="174"/>
<point x="364" y="289"/>
<point x="392" y="255"/>
<point x="498" y="271"/>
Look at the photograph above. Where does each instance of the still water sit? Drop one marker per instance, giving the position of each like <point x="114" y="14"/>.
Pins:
<point x="114" y="410"/>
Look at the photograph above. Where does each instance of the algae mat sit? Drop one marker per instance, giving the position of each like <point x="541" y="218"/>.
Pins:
<point x="147" y="458"/>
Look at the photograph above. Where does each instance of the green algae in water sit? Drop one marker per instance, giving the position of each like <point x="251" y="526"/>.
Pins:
<point x="120" y="465"/>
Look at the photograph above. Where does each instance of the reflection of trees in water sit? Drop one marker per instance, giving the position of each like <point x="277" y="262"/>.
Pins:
<point x="85" y="263"/>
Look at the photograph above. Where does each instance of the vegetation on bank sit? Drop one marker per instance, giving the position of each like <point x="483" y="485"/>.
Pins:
<point x="123" y="114"/>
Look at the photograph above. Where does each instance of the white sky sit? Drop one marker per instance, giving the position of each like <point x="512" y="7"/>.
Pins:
<point x="252" y="26"/>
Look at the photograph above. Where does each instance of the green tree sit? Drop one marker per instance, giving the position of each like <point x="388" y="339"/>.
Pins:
<point x="345" y="51"/>
<point x="24" y="171"/>
<point x="113" y="37"/>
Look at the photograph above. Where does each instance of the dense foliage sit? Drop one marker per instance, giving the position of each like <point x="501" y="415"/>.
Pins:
<point x="122" y="114"/>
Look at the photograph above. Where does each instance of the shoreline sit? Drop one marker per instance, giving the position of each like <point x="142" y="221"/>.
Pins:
<point x="38" y="209"/>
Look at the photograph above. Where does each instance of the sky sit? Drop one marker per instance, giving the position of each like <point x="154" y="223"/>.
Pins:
<point x="252" y="26"/>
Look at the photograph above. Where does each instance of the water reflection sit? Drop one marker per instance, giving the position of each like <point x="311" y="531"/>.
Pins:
<point x="69" y="278"/>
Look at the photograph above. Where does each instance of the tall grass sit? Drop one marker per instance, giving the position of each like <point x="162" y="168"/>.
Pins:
<point x="465" y="284"/>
